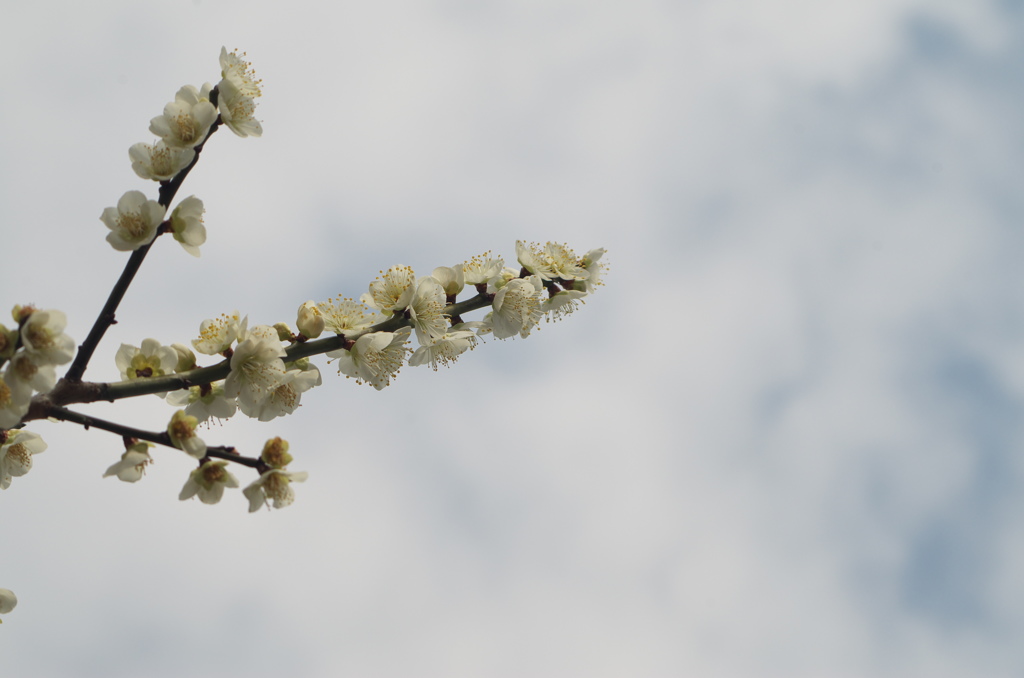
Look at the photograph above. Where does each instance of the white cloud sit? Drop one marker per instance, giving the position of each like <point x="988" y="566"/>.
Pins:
<point x="780" y="441"/>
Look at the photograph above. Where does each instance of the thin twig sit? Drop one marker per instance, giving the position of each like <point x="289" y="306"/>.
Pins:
<point x="108" y="316"/>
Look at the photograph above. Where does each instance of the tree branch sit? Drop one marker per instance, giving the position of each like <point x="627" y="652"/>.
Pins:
<point x="107" y="316"/>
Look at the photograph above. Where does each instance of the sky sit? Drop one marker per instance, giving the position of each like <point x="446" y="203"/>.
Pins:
<point x="782" y="440"/>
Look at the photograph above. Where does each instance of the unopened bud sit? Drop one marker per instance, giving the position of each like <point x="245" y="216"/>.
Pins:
<point x="275" y="453"/>
<point x="284" y="333"/>
<point x="182" y="431"/>
<point x="186" y="358"/>
<point x="310" y="322"/>
<point x="8" y="342"/>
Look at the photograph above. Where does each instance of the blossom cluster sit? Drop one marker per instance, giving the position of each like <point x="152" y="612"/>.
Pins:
<point x="552" y="281"/>
<point x="259" y="370"/>
<point x="263" y="370"/>
<point x="29" y="355"/>
<point x="182" y="130"/>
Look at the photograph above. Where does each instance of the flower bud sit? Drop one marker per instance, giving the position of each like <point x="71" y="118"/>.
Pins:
<point x="182" y="431"/>
<point x="8" y="601"/>
<point x="275" y="453"/>
<point x="8" y="342"/>
<point x="453" y="280"/>
<point x="186" y="358"/>
<point x="311" y="321"/>
<point x="284" y="333"/>
<point x="21" y="313"/>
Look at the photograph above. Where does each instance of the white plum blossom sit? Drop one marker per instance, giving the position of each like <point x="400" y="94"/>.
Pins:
<point x="481" y="270"/>
<point x="563" y="303"/>
<point x="159" y="162"/>
<point x="535" y="260"/>
<point x="256" y="368"/>
<point x="8" y="342"/>
<point x="151" y="360"/>
<point x="133" y="463"/>
<point x="285" y="397"/>
<point x="392" y="291"/>
<point x="517" y="307"/>
<point x="15" y="399"/>
<point x="426" y="311"/>
<point x="239" y="71"/>
<point x="208" y="482"/>
<point x="237" y="110"/>
<point x="445" y="350"/>
<point x="187" y="224"/>
<point x="375" y="358"/>
<point x="182" y="431"/>
<point x="204" y="402"/>
<point x="504" y="276"/>
<point x="346" y="315"/>
<point x="28" y="371"/>
<point x="134" y="222"/>
<point x="217" y="335"/>
<point x="591" y="262"/>
<point x="273" y="487"/>
<point x="187" y="119"/>
<point x="16" y="454"/>
<point x="43" y="334"/>
<point x="452" y="279"/>
<point x="239" y="88"/>
<point x="564" y="261"/>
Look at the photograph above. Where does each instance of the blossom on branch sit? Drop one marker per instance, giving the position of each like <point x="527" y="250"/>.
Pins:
<point x="217" y="335"/>
<point x="15" y="399"/>
<point x="187" y="119"/>
<point x="187" y="224"/>
<point x="239" y="88"/>
<point x="30" y="371"/>
<point x="159" y="162"/>
<point x="426" y="311"/>
<point x="346" y="315"/>
<point x="256" y="367"/>
<point x="445" y="350"/>
<point x="133" y="463"/>
<point x="285" y="397"/>
<point x="151" y="360"/>
<point x="591" y="262"/>
<point x="239" y="71"/>
<point x="375" y="358"/>
<point x="43" y="334"/>
<point x="182" y="431"/>
<point x="481" y="270"/>
<point x="562" y="303"/>
<point x="517" y="307"/>
<point x="311" y="321"/>
<point x="133" y="223"/>
<point x="204" y="401"/>
<point x="452" y="279"/>
<point x="392" y="290"/>
<point x="8" y="342"/>
<point x="16" y="454"/>
<point x="208" y="482"/>
<point x="273" y="488"/>
<point x="237" y="110"/>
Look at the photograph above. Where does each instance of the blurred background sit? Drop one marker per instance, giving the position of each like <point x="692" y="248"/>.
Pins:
<point x="783" y="440"/>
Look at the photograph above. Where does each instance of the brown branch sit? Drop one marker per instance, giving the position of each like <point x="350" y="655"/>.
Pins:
<point x="159" y="438"/>
<point x="108" y="315"/>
